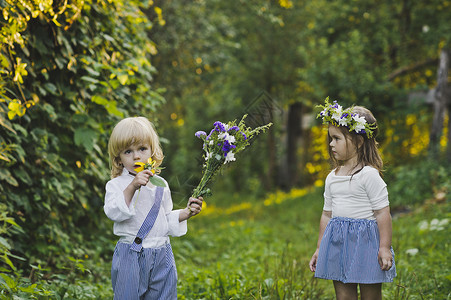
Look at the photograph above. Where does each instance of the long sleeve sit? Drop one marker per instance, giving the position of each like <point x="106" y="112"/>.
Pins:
<point x="175" y="227"/>
<point x="115" y="207"/>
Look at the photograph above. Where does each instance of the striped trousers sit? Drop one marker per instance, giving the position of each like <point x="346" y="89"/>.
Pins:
<point x="149" y="274"/>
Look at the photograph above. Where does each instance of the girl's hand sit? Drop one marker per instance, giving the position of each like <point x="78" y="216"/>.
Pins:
<point x="312" y="262"/>
<point x="385" y="259"/>
<point x="141" y="179"/>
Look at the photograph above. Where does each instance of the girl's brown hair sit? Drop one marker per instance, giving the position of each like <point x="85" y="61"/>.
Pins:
<point x="367" y="148"/>
<point x="132" y="131"/>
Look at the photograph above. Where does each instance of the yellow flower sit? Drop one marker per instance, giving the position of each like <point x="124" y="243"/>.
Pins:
<point x="150" y="165"/>
<point x="15" y="108"/>
<point x="141" y="168"/>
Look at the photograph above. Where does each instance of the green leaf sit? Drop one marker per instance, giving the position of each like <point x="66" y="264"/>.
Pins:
<point x="8" y="177"/>
<point x="89" y="79"/>
<point x="111" y="107"/>
<point x="5" y="243"/>
<point x="9" y="262"/>
<point x="6" y="281"/>
<point x="157" y="181"/>
<point x="85" y="137"/>
<point x="51" y="88"/>
<point x="99" y="100"/>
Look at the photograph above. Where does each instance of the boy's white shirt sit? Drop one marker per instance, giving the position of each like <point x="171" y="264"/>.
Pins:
<point x="357" y="198"/>
<point x="128" y="219"/>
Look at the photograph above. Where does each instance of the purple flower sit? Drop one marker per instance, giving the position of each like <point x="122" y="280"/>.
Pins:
<point x="219" y="126"/>
<point x="226" y="147"/>
<point x="200" y="133"/>
<point x="236" y="128"/>
<point x="344" y="115"/>
<point x="245" y="137"/>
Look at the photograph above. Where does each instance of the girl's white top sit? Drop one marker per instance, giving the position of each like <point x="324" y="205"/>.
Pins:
<point x="128" y="219"/>
<point x="357" y="197"/>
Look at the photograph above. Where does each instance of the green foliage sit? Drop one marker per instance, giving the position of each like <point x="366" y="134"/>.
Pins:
<point x="215" y="57"/>
<point x="415" y="183"/>
<point x="88" y="64"/>
<point x="365" y="43"/>
<point x="422" y="253"/>
<point x="11" y="283"/>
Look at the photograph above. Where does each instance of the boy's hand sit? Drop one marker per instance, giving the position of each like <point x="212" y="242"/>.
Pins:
<point x="193" y="208"/>
<point x="195" y="205"/>
<point x="141" y="179"/>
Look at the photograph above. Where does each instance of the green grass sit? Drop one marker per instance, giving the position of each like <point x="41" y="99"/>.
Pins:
<point x="262" y="251"/>
<point x="252" y="248"/>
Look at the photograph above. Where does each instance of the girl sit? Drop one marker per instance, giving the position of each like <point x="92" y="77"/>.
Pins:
<point x="354" y="244"/>
<point x="143" y="263"/>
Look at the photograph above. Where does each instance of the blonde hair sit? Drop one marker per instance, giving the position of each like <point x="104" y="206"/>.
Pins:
<point x="367" y="148"/>
<point x="132" y="131"/>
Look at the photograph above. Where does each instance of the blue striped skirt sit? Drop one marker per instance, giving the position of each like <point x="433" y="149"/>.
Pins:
<point x="349" y="250"/>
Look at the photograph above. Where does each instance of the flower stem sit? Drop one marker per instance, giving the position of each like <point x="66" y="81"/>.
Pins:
<point x="137" y="197"/>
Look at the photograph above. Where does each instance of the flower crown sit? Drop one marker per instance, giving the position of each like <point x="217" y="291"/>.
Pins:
<point x="334" y="114"/>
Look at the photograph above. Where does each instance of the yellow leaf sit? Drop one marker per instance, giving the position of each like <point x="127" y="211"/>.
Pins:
<point x="123" y="78"/>
<point x="11" y="115"/>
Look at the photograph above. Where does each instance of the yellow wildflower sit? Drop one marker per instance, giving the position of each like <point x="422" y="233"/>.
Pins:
<point x="15" y="108"/>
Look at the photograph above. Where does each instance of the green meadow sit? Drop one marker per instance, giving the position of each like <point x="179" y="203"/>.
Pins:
<point x="248" y="247"/>
<point x="239" y="250"/>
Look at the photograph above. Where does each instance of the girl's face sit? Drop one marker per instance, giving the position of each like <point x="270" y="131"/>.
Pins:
<point x="133" y="154"/>
<point x="341" y="145"/>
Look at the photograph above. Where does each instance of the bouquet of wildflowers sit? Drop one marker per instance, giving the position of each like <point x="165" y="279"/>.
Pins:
<point x="220" y="147"/>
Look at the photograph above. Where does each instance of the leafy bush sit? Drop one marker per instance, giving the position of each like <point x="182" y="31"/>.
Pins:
<point x="412" y="184"/>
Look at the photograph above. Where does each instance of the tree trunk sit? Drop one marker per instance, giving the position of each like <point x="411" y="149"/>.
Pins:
<point x="440" y="103"/>
<point x="293" y="133"/>
<point x="448" y="150"/>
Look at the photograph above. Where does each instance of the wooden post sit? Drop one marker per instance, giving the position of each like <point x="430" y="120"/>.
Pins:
<point x="441" y="103"/>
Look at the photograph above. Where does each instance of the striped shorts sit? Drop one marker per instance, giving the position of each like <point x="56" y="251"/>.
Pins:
<point x="146" y="275"/>
<point x="349" y="252"/>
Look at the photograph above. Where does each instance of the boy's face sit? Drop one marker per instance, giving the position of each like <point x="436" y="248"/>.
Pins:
<point x="133" y="154"/>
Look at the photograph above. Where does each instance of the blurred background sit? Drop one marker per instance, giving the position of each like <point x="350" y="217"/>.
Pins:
<point x="70" y="70"/>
